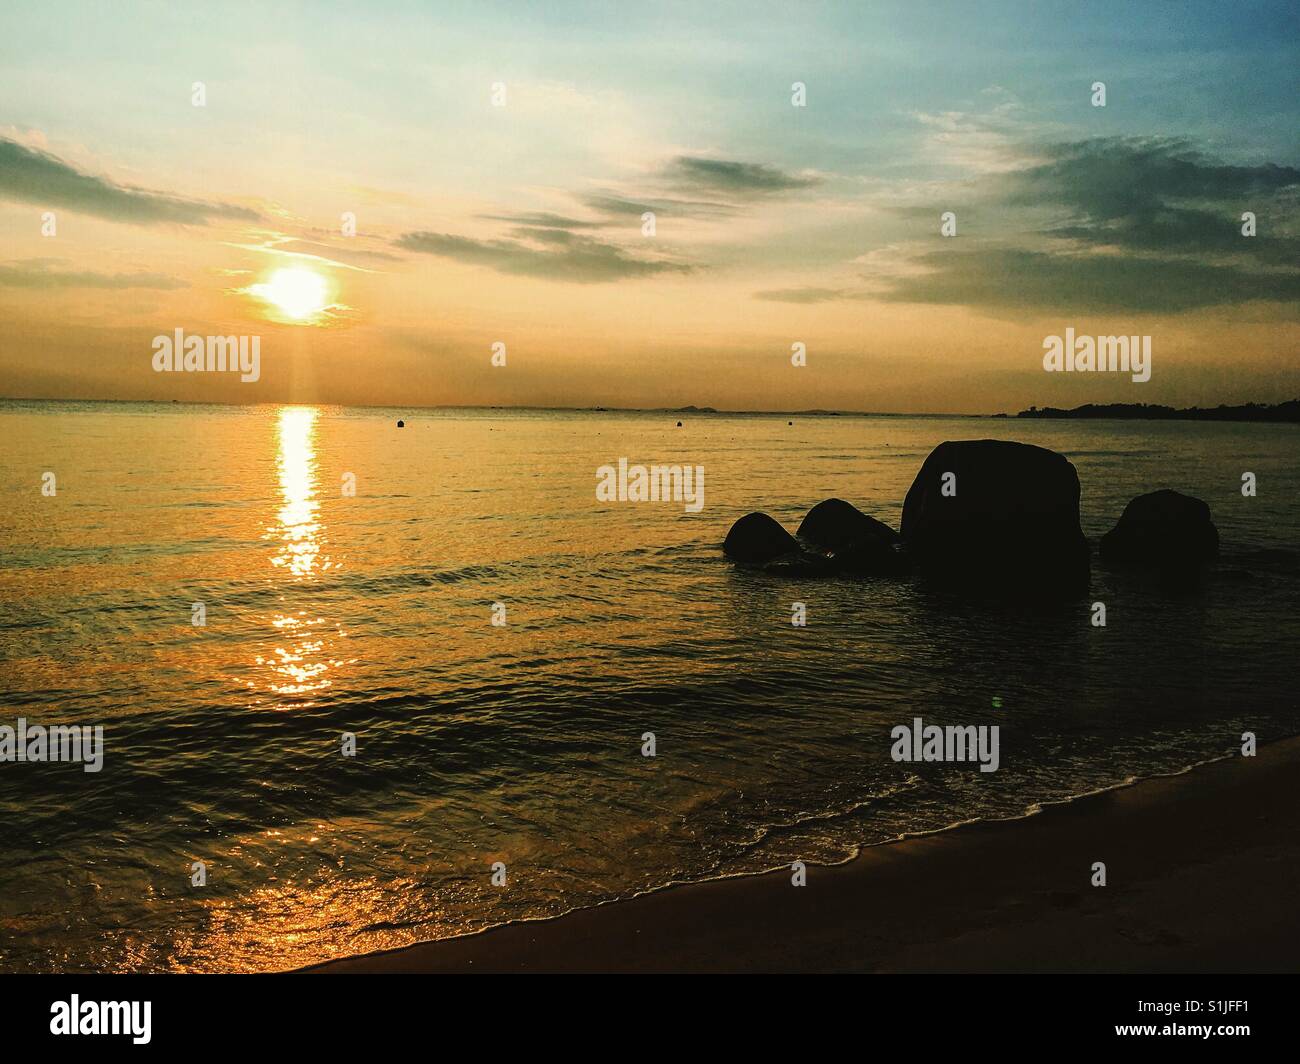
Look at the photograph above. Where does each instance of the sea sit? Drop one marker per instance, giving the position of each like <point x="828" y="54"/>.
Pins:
<point x="362" y="686"/>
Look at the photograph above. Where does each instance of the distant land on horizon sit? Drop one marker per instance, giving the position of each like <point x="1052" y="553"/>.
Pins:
<point x="816" y="412"/>
<point x="1288" y="411"/>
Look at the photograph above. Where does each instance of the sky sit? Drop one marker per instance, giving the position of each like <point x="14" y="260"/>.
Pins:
<point x="499" y="161"/>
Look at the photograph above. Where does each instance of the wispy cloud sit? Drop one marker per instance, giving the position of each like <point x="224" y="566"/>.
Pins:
<point x="545" y="220"/>
<point x="336" y="251"/>
<point x="990" y="137"/>
<point x="810" y="295"/>
<point x="551" y="254"/>
<point x="283" y="245"/>
<point x="30" y="175"/>
<point x="615" y="205"/>
<point x="1016" y="278"/>
<point x="730" y="177"/>
<point x="43" y="273"/>
<point x="694" y="186"/>
<point x="562" y="247"/>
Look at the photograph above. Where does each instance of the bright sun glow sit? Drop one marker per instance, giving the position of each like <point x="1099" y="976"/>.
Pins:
<point x="295" y="292"/>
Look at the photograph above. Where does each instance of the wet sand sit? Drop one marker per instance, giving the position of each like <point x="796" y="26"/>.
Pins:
<point x="1203" y="870"/>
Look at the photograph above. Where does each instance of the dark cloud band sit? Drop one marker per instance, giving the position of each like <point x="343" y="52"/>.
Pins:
<point x="31" y="176"/>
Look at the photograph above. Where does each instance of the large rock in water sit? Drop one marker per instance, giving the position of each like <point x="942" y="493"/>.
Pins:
<point x="856" y="541"/>
<point x="757" y="538"/>
<point x="999" y="516"/>
<point x="1162" y="530"/>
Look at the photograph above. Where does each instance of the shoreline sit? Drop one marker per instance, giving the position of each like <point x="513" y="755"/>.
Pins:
<point x="1202" y="870"/>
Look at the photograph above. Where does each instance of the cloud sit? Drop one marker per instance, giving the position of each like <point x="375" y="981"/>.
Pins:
<point x="986" y="140"/>
<point x="38" y="273"/>
<point x="348" y="253"/>
<point x="561" y="247"/>
<point x="1160" y="194"/>
<point x="1146" y="224"/>
<point x="698" y="187"/>
<point x="30" y="175"/>
<point x="1113" y="177"/>
<point x="1016" y="278"/>
<point x="614" y="205"/>
<point x="729" y="177"/>
<point x="285" y="246"/>
<point x="809" y="295"/>
<point x="544" y="220"/>
<point x="551" y="254"/>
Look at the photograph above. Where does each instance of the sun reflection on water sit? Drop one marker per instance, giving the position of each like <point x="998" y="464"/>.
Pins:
<point x="299" y="663"/>
<point x="299" y="528"/>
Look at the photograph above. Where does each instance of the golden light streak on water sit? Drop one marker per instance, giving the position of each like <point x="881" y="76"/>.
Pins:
<point x="299" y="529"/>
<point x="301" y="664"/>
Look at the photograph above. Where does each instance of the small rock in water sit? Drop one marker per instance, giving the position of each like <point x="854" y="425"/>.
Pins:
<point x="835" y="524"/>
<point x="758" y="538"/>
<point x="401" y="424"/>
<point x="1162" y="530"/>
<point x="858" y="543"/>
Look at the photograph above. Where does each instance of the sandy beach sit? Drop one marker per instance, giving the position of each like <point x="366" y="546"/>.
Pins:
<point x="1202" y="872"/>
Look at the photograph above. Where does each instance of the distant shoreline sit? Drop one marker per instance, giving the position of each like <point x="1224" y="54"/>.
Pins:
<point x="707" y="411"/>
<point x="1274" y="413"/>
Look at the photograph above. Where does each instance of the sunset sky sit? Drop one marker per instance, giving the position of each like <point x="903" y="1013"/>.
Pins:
<point x="774" y="224"/>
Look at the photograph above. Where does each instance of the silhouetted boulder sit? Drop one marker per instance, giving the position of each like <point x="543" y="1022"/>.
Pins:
<point x="401" y="424"/>
<point x="856" y="541"/>
<point x="757" y="538"/>
<point x="834" y="524"/>
<point x="1162" y="530"/>
<point x="998" y="516"/>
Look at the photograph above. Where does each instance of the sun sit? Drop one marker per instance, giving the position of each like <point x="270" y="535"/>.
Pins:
<point x="295" y="292"/>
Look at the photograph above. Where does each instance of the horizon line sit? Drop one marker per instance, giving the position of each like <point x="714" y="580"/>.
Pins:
<point x="688" y="409"/>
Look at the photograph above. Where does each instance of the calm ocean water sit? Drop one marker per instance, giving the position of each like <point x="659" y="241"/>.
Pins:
<point x="371" y="614"/>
